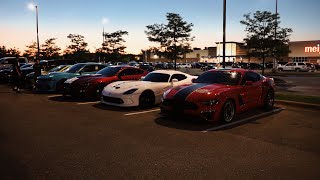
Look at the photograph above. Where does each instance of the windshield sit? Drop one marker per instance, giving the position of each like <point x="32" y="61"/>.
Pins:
<point x="219" y="77"/>
<point x="58" y="68"/>
<point x="75" y="68"/>
<point x="157" y="77"/>
<point x="26" y="65"/>
<point x="109" y="71"/>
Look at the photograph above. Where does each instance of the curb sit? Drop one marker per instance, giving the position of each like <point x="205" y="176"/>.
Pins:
<point x="299" y="104"/>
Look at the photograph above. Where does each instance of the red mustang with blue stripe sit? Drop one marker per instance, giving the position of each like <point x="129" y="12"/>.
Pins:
<point x="220" y="95"/>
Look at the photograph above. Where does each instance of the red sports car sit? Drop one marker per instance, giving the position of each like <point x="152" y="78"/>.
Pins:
<point x="220" y="94"/>
<point x="91" y="86"/>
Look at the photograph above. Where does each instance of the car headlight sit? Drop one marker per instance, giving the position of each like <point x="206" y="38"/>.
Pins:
<point x="210" y="102"/>
<point x="166" y="93"/>
<point x="131" y="91"/>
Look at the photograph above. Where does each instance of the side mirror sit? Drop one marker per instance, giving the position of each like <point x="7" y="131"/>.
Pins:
<point x="142" y="78"/>
<point x="248" y="83"/>
<point x="174" y="81"/>
<point x="193" y="80"/>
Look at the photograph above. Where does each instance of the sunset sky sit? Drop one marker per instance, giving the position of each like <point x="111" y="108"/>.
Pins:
<point x="58" y="18"/>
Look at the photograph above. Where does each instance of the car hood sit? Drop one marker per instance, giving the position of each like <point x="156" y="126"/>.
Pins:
<point x="123" y="86"/>
<point x="56" y="74"/>
<point x="197" y="91"/>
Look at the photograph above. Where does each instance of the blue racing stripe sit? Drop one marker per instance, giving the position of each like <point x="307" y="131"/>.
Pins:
<point x="185" y="92"/>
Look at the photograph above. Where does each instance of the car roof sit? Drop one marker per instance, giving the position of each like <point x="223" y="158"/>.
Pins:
<point x="239" y="70"/>
<point x="167" y="72"/>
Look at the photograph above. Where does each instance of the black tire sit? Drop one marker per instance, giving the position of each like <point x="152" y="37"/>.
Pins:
<point x="99" y="91"/>
<point x="269" y="100"/>
<point x="280" y="69"/>
<point x="146" y="99"/>
<point x="297" y="69"/>
<point x="59" y="86"/>
<point x="228" y="111"/>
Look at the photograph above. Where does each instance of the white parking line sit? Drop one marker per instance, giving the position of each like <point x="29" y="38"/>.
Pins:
<point x="243" y="120"/>
<point x="52" y="96"/>
<point x="83" y="103"/>
<point x="141" y="112"/>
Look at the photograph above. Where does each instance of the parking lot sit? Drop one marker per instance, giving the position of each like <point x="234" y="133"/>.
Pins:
<point x="48" y="136"/>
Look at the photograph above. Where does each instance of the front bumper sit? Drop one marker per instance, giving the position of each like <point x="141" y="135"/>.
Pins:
<point x="120" y="99"/>
<point x="208" y="113"/>
<point x="45" y="85"/>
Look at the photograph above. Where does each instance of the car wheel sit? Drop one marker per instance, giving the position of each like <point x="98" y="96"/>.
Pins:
<point x="99" y="91"/>
<point x="280" y="69"/>
<point x="146" y="99"/>
<point x="228" y="111"/>
<point x="269" y="100"/>
<point x="59" y="86"/>
<point x="297" y="69"/>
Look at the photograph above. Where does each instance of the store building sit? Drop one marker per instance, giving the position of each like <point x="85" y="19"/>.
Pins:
<point x="301" y="51"/>
<point x="305" y="51"/>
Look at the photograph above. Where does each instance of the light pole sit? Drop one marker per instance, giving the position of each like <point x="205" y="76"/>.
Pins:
<point x="224" y="33"/>
<point x="38" y="55"/>
<point x="275" y="38"/>
<point x="33" y="7"/>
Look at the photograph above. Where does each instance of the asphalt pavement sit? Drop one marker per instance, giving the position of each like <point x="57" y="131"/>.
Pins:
<point x="44" y="136"/>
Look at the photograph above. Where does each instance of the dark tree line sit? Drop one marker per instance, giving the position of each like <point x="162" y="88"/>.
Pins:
<point x="174" y="39"/>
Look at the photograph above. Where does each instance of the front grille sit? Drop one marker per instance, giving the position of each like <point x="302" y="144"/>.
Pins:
<point x="180" y="104"/>
<point x="112" y="100"/>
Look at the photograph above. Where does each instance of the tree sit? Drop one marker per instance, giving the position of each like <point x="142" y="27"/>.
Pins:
<point x="49" y="49"/>
<point x="77" y="49"/>
<point x="3" y="51"/>
<point x="31" y="51"/>
<point x="261" y="40"/>
<point x="113" y="47"/>
<point x="174" y="37"/>
<point x="13" y="52"/>
<point x="8" y="52"/>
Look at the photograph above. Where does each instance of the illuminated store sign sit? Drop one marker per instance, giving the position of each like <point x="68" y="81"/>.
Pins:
<point x="314" y="49"/>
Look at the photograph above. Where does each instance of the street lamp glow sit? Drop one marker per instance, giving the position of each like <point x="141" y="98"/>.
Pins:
<point x="31" y="6"/>
<point x="104" y="20"/>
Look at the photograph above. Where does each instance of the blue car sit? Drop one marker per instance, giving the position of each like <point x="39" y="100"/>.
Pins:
<point x="53" y="82"/>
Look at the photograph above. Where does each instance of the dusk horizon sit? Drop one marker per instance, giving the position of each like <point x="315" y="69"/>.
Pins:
<point x="58" y="19"/>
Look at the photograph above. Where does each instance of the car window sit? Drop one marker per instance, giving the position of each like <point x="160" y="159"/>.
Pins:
<point x="300" y="64"/>
<point x="139" y="71"/>
<point x="180" y="77"/>
<point x="89" y="68"/>
<point x="128" y="71"/>
<point x="157" y="77"/>
<point x="219" y="77"/>
<point x="250" y="76"/>
<point x="99" y="67"/>
<point x="22" y="60"/>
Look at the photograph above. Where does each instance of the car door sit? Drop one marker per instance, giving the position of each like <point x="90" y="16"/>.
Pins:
<point x="252" y="93"/>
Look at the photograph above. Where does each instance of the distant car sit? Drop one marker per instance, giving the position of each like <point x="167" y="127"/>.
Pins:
<point x="294" y="66"/>
<point x="147" y="67"/>
<point x="220" y="94"/>
<point x="144" y="93"/>
<point x="30" y="77"/>
<point x="311" y="67"/>
<point x="161" y="66"/>
<point x="90" y="86"/>
<point x="254" y="66"/>
<point x="6" y="62"/>
<point x="53" y="82"/>
<point x="185" y="65"/>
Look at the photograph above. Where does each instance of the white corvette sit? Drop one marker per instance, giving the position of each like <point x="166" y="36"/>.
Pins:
<point x="146" y="92"/>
